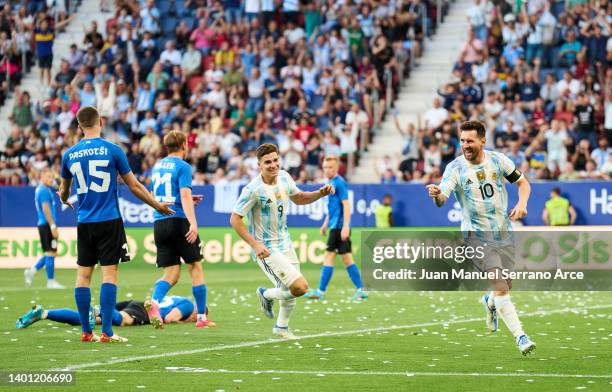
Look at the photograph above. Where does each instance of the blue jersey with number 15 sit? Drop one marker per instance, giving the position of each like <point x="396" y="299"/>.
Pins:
<point x="93" y="164"/>
<point x="168" y="177"/>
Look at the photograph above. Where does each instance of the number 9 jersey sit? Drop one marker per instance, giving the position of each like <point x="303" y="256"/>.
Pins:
<point x="266" y="207"/>
<point x="94" y="164"/>
<point x="481" y="192"/>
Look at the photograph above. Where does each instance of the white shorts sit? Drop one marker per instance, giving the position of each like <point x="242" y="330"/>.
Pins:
<point x="282" y="268"/>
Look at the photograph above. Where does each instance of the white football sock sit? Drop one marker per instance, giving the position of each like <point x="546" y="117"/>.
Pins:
<point x="201" y="316"/>
<point x="506" y="310"/>
<point x="284" y="312"/>
<point x="278" y="294"/>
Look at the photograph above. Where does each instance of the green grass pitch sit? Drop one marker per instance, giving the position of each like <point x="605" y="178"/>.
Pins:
<point x="417" y="341"/>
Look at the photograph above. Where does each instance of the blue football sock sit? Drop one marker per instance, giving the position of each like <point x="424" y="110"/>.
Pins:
<point x="353" y="273"/>
<point x="117" y="318"/>
<point x="66" y="316"/>
<point x="326" y="274"/>
<point x="108" y="299"/>
<point x="160" y="290"/>
<point x="82" y="296"/>
<point x="199" y="293"/>
<point x="41" y="263"/>
<point x="50" y="267"/>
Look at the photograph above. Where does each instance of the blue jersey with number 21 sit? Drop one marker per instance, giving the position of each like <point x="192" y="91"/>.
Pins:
<point x="169" y="176"/>
<point x="93" y="164"/>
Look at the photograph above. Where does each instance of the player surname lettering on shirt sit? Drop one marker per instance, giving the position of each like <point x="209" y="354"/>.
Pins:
<point x="86" y="152"/>
<point x="165" y="165"/>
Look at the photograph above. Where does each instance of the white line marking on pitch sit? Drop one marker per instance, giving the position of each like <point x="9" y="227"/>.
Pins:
<point x="407" y="373"/>
<point x="318" y="335"/>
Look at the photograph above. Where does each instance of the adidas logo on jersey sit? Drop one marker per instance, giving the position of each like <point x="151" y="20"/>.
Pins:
<point x="269" y="201"/>
<point x="468" y="182"/>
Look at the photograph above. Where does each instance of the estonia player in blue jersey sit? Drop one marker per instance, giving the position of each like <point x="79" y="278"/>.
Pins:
<point x="94" y="164"/>
<point x="173" y="309"/>
<point x="176" y="236"/>
<point x="338" y="221"/>
<point x="477" y="180"/>
<point x="46" y="210"/>
<point x="266" y="200"/>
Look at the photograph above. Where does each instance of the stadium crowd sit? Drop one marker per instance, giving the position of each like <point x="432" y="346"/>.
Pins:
<point x="232" y="74"/>
<point x="538" y="74"/>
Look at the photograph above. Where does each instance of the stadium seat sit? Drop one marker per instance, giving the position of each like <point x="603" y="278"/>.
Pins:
<point x="193" y="82"/>
<point x="168" y="25"/>
<point x="208" y="62"/>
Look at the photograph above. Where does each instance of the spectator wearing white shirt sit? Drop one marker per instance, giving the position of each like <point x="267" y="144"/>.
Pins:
<point x="435" y="117"/>
<point x="106" y="98"/>
<point x="255" y="90"/>
<point x="357" y="120"/>
<point x="601" y="153"/>
<point x="568" y="85"/>
<point x="555" y="144"/>
<point x="170" y="56"/>
<point x="191" y="61"/>
<point x="149" y="18"/>
<point x="477" y="18"/>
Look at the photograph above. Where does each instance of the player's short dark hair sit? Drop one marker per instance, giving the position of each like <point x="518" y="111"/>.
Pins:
<point x="265" y="149"/>
<point x="556" y="190"/>
<point x="174" y="141"/>
<point x="88" y="117"/>
<point x="473" y="126"/>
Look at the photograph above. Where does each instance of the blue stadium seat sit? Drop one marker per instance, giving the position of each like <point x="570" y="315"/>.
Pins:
<point x="163" y="6"/>
<point x="323" y="123"/>
<point x="191" y="21"/>
<point x="317" y="101"/>
<point x="168" y="25"/>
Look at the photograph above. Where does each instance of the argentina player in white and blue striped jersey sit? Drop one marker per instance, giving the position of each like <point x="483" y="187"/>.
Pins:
<point x="477" y="180"/>
<point x="265" y="200"/>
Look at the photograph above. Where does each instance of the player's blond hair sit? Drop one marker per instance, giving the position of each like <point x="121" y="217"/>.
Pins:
<point x="331" y="159"/>
<point x="174" y="141"/>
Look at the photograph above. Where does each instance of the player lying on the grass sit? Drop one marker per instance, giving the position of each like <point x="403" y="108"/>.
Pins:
<point x="338" y="221"/>
<point x="176" y="236"/>
<point x="94" y="164"/>
<point x="173" y="309"/>
<point x="265" y="200"/>
<point x="46" y="209"/>
<point x="477" y="180"/>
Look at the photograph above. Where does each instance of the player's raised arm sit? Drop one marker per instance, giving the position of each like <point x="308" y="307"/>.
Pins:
<point x="143" y="194"/>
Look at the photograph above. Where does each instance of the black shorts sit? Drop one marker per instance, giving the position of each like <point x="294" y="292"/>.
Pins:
<point x="47" y="242"/>
<point x="171" y="243"/>
<point x="102" y="242"/>
<point x="45" y="61"/>
<point x="136" y="310"/>
<point x="335" y="243"/>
